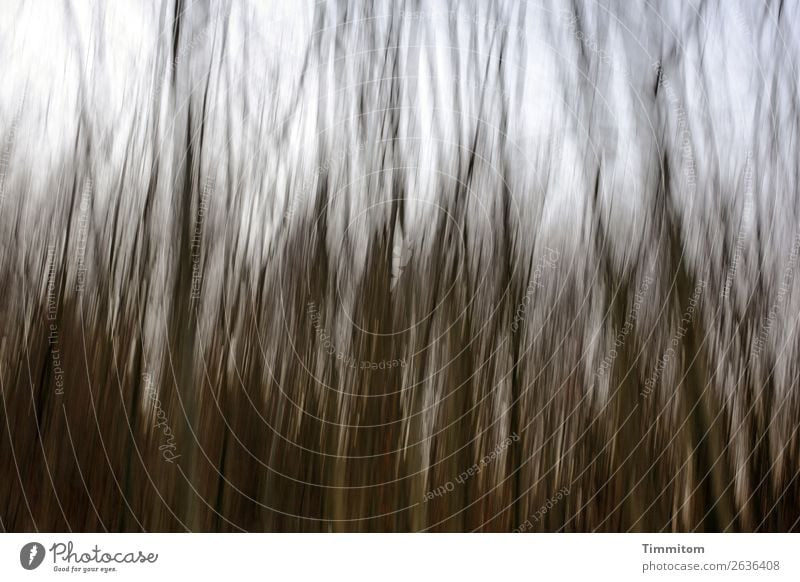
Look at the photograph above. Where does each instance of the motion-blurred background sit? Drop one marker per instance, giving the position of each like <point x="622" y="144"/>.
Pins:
<point x="399" y="266"/>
